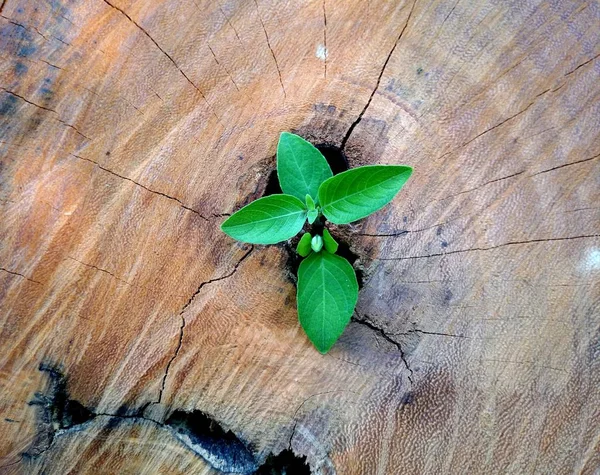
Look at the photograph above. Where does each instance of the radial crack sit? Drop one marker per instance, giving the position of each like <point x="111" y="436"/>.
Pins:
<point x="362" y="113"/>
<point x="183" y="321"/>
<point x="222" y="66"/>
<point x="170" y="58"/>
<point x="20" y="275"/>
<point x="325" y="37"/>
<point x="142" y="186"/>
<point x="478" y="249"/>
<point x="364" y="321"/>
<point x="271" y="49"/>
<point x="567" y="165"/>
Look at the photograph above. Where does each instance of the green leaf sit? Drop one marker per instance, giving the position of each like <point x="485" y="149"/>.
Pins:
<point x="331" y="244"/>
<point x="310" y="204"/>
<point x="267" y="220"/>
<point x="301" y="168"/>
<point x="357" y="193"/>
<point x="303" y="248"/>
<point x="327" y="294"/>
<point x="313" y="214"/>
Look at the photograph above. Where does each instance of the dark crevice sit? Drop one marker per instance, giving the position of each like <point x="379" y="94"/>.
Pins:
<point x="183" y="321"/>
<point x="273" y="187"/>
<point x="285" y="463"/>
<point x="220" y="447"/>
<point x="335" y="156"/>
<point x="196" y="430"/>
<point x="387" y="60"/>
<point x="363" y="320"/>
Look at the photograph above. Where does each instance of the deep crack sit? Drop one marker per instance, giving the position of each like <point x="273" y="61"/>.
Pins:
<point x="183" y="321"/>
<point x="364" y="321"/>
<point x="362" y="113"/>
<point x="196" y="430"/>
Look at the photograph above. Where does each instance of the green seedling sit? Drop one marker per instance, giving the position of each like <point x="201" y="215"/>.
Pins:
<point x="327" y="286"/>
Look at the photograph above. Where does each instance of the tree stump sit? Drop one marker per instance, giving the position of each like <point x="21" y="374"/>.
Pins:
<point x="138" y="338"/>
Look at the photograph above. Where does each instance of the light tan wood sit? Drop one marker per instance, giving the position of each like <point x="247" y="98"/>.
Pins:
<point x="129" y="129"/>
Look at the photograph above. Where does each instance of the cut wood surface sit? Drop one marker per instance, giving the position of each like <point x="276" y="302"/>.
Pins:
<point x="136" y="337"/>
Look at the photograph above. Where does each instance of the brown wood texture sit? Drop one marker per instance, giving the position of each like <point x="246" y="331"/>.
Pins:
<point x="130" y="128"/>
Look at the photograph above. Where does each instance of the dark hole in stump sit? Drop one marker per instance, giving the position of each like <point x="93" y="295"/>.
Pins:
<point x="285" y="463"/>
<point x="273" y="187"/>
<point x="227" y="451"/>
<point x="335" y="157"/>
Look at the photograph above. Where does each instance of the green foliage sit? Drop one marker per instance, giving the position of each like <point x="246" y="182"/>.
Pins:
<point x="301" y="168"/>
<point x="327" y="294"/>
<point x="355" y="194"/>
<point x="327" y="286"/>
<point x="303" y="248"/>
<point x="267" y="220"/>
<point x="312" y="215"/>
<point x="331" y="244"/>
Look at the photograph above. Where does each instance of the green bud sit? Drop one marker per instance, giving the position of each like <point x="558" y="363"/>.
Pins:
<point x="316" y="243"/>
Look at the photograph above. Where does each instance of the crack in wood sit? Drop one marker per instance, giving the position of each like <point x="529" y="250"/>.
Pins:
<point x="478" y="249"/>
<point x="363" y="320"/>
<point x="20" y="275"/>
<point x="222" y="66"/>
<point x="183" y="321"/>
<point x="197" y="431"/>
<point x="184" y="206"/>
<point x="169" y="57"/>
<point x="271" y="49"/>
<point x="567" y="165"/>
<point x="387" y="60"/>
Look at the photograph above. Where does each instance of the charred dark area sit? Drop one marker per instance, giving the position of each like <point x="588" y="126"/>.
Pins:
<point x="198" y="431"/>
<point x="285" y="463"/>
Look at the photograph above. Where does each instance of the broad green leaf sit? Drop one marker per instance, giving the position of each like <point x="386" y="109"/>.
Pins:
<point x="267" y="220"/>
<point x="303" y="248"/>
<point x="327" y="294"/>
<point x="331" y="244"/>
<point x="301" y="168"/>
<point x="316" y="243"/>
<point x="313" y="214"/>
<point x="356" y="193"/>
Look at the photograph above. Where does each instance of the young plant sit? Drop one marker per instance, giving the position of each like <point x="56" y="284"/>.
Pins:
<point x="327" y="286"/>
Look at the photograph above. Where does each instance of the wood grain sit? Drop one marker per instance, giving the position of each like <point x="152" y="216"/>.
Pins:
<point x="130" y="128"/>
